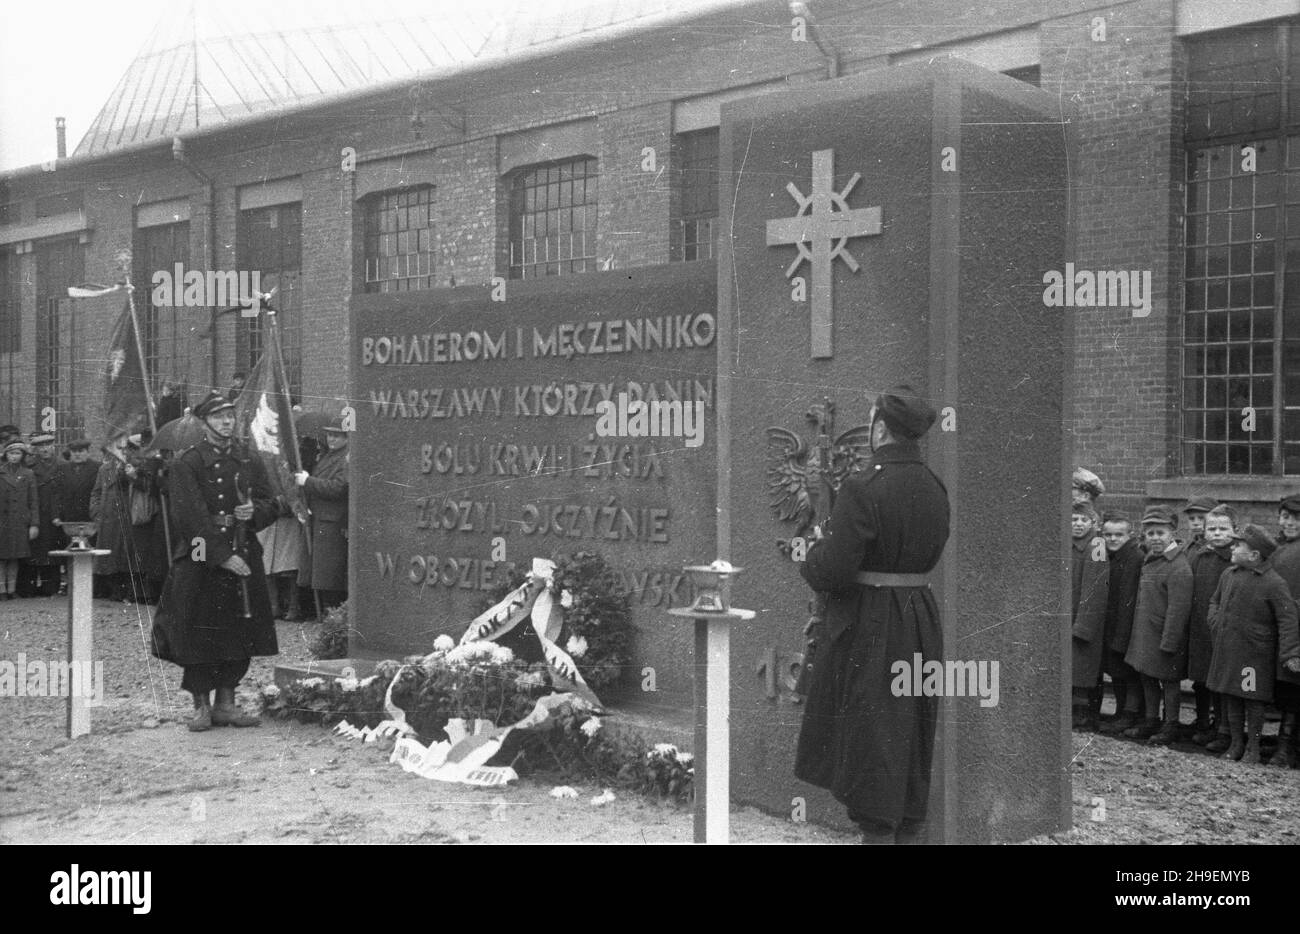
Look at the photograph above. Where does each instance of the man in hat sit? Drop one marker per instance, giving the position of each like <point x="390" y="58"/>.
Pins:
<point x="1256" y="629"/>
<point x="1195" y="511"/>
<point x="1158" y="646"/>
<point x="887" y="530"/>
<point x="41" y="573"/>
<point x="19" y="515"/>
<point x="78" y="481"/>
<point x="215" y="614"/>
<point x="326" y="489"/>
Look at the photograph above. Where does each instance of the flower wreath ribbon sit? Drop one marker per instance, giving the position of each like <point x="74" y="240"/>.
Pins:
<point x="534" y="599"/>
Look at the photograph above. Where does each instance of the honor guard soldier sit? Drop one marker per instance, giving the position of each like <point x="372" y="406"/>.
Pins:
<point x="215" y="613"/>
<point x="886" y="532"/>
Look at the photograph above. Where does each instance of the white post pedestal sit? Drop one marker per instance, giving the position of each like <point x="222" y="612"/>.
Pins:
<point x="712" y="720"/>
<point x="81" y="585"/>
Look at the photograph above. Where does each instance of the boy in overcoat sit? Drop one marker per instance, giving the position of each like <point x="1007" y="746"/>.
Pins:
<point x="1124" y="561"/>
<point x="42" y="574"/>
<point x="1286" y="692"/>
<point x="1255" y="625"/>
<point x="1197" y="508"/>
<point x="1208" y="565"/>
<point x="326" y="489"/>
<point x="1158" y="647"/>
<point x="1090" y="579"/>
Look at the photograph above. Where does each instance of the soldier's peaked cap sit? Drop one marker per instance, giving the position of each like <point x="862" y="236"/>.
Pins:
<point x="1291" y="503"/>
<point x="1256" y="539"/>
<point x="212" y="403"/>
<point x="904" y="412"/>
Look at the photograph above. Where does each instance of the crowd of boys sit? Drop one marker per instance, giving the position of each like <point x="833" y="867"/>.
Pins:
<point x="1215" y="607"/>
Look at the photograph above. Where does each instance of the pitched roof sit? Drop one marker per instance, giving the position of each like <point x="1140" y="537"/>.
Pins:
<point x="211" y="61"/>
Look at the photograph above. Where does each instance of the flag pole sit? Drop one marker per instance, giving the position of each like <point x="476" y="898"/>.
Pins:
<point x="148" y="392"/>
<point x="282" y="375"/>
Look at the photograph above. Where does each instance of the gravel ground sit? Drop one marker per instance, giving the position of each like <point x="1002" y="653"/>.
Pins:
<point x="140" y="777"/>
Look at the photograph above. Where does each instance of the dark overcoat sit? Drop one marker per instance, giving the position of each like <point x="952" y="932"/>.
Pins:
<point x="327" y="499"/>
<point x="1158" y="647"/>
<point x="77" y="484"/>
<point x="1091" y="587"/>
<point x="199" y="617"/>
<point x="19" y="511"/>
<point x="49" y="493"/>
<point x="150" y="538"/>
<point x="873" y="749"/>
<point x="1286" y="561"/>
<point x="1254" y="621"/>
<point x="110" y="507"/>
<point x="1208" y="565"/>
<point x="1125" y="565"/>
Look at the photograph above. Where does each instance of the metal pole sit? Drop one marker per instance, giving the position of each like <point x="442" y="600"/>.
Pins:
<point x="148" y="397"/>
<point x="81" y="583"/>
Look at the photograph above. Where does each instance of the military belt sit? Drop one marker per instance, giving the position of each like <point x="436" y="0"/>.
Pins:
<point x="224" y="522"/>
<point x="882" y="579"/>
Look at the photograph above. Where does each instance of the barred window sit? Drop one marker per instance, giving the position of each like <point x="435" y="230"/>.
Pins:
<point x="553" y="219"/>
<point x="164" y="329"/>
<point x="695" y="207"/>
<point x="270" y="243"/>
<point x="60" y="376"/>
<point x="398" y="241"/>
<point x="1241" y="320"/>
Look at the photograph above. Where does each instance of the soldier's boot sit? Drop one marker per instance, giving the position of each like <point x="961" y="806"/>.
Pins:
<point x="1222" y="740"/>
<point x="1254" y="727"/>
<point x="1126" y="720"/>
<point x="1144" y="730"/>
<point x="1167" y="735"/>
<point x="202" y="719"/>
<point x="1236" y="730"/>
<point x="294" y="613"/>
<point x="226" y="713"/>
<point x="1288" y="742"/>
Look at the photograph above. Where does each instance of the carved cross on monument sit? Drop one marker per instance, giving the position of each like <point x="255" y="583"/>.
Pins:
<point x="821" y="234"/>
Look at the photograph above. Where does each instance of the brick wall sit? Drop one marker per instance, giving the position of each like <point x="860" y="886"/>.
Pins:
<point x="632" y="224"/>
<point x="1127" y="111"/>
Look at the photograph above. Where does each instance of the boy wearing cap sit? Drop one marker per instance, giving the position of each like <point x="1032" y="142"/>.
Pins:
<point x="1090" y="578"/>
<point x="1124" y="560"/>
<point x="77" y="482"/>
<point x="1255" y="625"/>
<point x="1208" y="565"/>
<point x="1158" y="647"/>
<point x="1286" y="561"/>
<point x="1195" y="512"/>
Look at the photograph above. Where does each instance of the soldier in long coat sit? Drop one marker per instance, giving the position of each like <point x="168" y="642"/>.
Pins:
<point x="327" y="500"/>
<point x="1256" y="627"/>
<point x="1090" y="578"/>
<point x="19" y="515"/>
<point x="1158" y="647"/>
<point x="887" y="530"/>
<point x="43" y="572"/>
<point x="220" y="499"/>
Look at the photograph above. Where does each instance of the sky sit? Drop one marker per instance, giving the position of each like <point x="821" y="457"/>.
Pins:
<point x="62" y="58"/>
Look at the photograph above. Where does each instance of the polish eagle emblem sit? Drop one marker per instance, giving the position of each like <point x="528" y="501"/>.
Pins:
<point x="264" y="429"/>
<point x="802" y="478"/>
